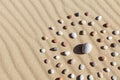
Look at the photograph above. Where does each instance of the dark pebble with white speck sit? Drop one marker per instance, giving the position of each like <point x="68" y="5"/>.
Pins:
<point x="73" y="23"/>
<point x="65" y="71"/>
<point x="93" y="64"/>
<point x="113" y="45"/>
<point x="77" y="14"/>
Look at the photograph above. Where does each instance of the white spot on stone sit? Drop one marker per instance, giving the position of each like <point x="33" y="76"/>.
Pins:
<point x="81" y="67"/>
<point x="114" y="54"/>
<point x="86" y="48"/>
<point x="103" y="31"/>
<point x="51" y="71"/>
<point x="82" y="22"/>
<point x="106" y="69"/>
<point x="59" y="33"/>
<point x="72" y="75"/>
<point x="113" y="63"/>
<point x="109" y="37"/>
<point x="81" y="77"/>
<point x="116" y="32"/>
<point x="61" y="21"/>
<point x="42" y="50"/>
<point x="98" y="18"/>
<point x="66" y="53"/>
<point x="56" y="57"/>
<point x="92" y="23"/>
<point x="113" y="78"/>
<point x="73" y="35"/>
<point x="105" y="47"/>
<point x="90" y="77"/>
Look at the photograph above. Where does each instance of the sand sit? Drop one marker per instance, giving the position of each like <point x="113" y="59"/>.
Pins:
<point x="24" y="22"/>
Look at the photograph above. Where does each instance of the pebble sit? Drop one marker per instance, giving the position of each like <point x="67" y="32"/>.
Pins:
<point x="118" y="67"/>
<point x="105" y="47"/>
<point x="113" y="78"/>
<point x="99" y="74"/>
<point x="113" y="63"/>
<point x="91" y="23"/>
<point x="106" y="69"/>
<point x="54" y="49"/>
<point x="42" y="50"/>
<point x="77" y="14"/>
<point x="109" y="37"/>
<point x="66" y="53"/>
<point x="106" y="25"/>
<point x="113" y="45"/>
<point x="71" y="75"/>
<point x="59" y="65"/>
<point x="100" y="40"/>
<point x="81" y="67"/>
<point x="60" y="78"/>
<point x="46" y="61"/>
<point x="81" y="77"/>
<point x="51" y="71"/>
<point x="90" y="77"/>
<point x="93" y="64"/>
<point x="116" y="32"/>
<point x="69" y="16"/>
<point x="65" y="71"/>
<point x="86" y="13"/>
<point x="60" y="21"/>
<point x="54" y="41"/>
<point x="103" y="31"/>
<point x="114" y="54"/>
<point x="73" y="23"/>
<point x="102" y="58"/>
<point x="82" y="32"/>
<point x="73" y="35"/>
<point x="44" y="38"/>
<point x="56" y="57"/>
<point x="59" y="33"/>
<point x="71" y="61"/>
<point x="93" y="33"/>
<point x="86" y="48"/>
<point x="64" y="44"/>
<point x="65" y="27"/>
<point x="52" y="28"/>
<point x="82" y="22"/>
<point x="98" y="18"/>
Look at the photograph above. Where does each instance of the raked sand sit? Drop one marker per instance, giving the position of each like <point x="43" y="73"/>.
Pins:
<point x="24" y="22"/>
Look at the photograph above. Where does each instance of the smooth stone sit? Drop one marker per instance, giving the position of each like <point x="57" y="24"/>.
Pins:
<point x="99" y="74"/>
<point x="66" y="53"/>
<point x="90" y="77"/>
<point x="73" y="35"/>
<point x="113" y="78"/>
<point x="81" y="67"/>
<point x="71" y="75"/>
<point x="51" y="71"/>
<point x="81" y="77"/>
<point x="42" y="50"/>
<point x="86" y="48"/>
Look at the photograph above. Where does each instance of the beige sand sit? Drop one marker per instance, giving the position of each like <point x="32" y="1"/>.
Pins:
<point x="24" y="22"/>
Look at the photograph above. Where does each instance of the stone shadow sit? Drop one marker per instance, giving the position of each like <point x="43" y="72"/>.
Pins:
<point x="78" y="49"/>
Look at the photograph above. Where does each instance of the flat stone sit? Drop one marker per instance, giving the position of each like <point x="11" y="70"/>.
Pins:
<point x="86" y="48"/>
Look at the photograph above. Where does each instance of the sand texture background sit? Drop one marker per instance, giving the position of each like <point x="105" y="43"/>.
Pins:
<point x="24" y="22"/>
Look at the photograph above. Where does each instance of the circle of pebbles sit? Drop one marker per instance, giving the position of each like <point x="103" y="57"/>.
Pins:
<point x="84" y="47"/>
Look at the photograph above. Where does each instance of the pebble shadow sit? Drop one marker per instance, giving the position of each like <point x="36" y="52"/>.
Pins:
<point x="78" y="77"/>
<point x="78" y="49"/>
